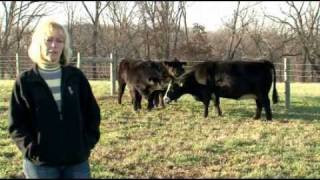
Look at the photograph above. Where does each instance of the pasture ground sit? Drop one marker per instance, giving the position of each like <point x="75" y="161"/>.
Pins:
<point x="177" y="142"/>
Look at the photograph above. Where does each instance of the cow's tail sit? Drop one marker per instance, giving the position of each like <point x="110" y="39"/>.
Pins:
<point x="275" y="97"/>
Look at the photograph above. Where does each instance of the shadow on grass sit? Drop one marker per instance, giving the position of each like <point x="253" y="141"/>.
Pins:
<point x="16" y="176"/>
<point x="307" y="109"/>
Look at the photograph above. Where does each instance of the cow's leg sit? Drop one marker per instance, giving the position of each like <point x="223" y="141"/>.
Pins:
<point x="258" y="109"/>
<point x="156" y="98"/>
<point x="133" y="98"/>
<point x="266" y="106"/>
<point x="206" y="107"/>
<point x="160" y="96"/>
<point x="139" y="99"/>
<point x="217" y="105"/>
<point x="121" y="87"/>
<point x="151" y="99"/>
<point x="132" y="95"/>
<point x="136" y="99"/>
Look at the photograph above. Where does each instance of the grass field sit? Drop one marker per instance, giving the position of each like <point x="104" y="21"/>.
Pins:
<point x="177" y="142"/>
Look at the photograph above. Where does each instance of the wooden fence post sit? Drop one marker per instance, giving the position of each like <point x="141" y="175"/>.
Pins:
<point x="78" y="60"/>
<point x="17" y="65"/>
<point x="287" y="83"/>
<point x="112" y="74"/>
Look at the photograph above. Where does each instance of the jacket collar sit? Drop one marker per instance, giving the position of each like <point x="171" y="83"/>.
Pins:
<point x="35" y="75"/>
<point x="35" y="72"/>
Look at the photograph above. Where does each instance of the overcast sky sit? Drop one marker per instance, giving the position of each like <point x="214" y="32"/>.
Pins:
<point x="210" y="14"/>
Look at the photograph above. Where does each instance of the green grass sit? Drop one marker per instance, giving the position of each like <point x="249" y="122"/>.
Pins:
<point x="177" y="142"/>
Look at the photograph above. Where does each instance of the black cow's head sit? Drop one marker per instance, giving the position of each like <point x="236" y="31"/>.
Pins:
<point x="186" y="83"/>
<point x="174" y="91"/>
<point x="175" y="67"/>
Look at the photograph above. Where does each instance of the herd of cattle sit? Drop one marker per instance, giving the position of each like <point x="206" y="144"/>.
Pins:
<point x="166" y="81"/>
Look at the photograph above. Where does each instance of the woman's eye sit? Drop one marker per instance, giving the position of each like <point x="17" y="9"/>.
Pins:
<point x="50" y="40"/>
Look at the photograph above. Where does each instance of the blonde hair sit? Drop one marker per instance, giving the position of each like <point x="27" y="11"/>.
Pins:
<point x="43" y="29"/>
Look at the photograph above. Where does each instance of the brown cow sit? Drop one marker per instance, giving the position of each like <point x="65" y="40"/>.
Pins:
<point x="146" y="78"/>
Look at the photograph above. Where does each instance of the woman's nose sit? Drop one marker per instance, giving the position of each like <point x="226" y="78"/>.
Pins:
<point x="53" y="44"/>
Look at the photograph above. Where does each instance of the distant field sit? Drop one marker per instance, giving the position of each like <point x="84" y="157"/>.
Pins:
<point x="177" y="142"/>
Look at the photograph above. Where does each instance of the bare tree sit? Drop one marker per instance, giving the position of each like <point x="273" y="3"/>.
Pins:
<point x="161" y="23"/>
<point x="169" y="20"/>
<point x="238" y="25"/>
<point x="122" y="15"/>
<point x="181" y="14"/>
<point x="198" y="47"/>
<point x="259" y="40"/>
<point x="184" y="15"/>
<point x="304" y="22"/>
<point x="148" y="13"/>
<point x="18" y="20"/>
<point x="70" y="11"/>
<point x="95" y="20"/>
<point x="18" y="17"/>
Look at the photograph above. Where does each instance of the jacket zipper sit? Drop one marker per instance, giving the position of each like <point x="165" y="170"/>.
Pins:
<point x="62" y="91"/>
<point x="62" y="85"/>
<point x="51" y="95"/>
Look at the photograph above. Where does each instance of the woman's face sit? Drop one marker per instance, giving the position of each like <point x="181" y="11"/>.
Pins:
<point x="53" y="45"/>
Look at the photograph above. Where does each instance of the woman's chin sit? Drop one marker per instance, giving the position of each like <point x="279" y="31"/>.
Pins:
<point x="52" y="60"/>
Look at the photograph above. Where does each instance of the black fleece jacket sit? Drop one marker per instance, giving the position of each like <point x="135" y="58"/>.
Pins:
<point x="43" y="134"/>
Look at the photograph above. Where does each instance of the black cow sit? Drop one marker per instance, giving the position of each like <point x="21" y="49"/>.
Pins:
<point x="145" y="79"/>
<point x="227" y="79"/>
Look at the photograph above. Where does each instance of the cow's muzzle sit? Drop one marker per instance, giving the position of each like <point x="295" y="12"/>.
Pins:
<point x="166" y="99"/>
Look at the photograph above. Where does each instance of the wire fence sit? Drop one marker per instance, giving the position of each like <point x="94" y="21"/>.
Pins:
<point x="298" y="72"/>
<point x="98" y="68"/>
<point x="10" y="66"/>
<point x="105" y="68"/>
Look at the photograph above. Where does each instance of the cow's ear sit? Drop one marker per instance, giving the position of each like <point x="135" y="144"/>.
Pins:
<point x="177" y="81"/>
<point x="201" y="75"/>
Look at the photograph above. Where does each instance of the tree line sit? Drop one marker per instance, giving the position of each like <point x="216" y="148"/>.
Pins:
<point x="158" y="30"/>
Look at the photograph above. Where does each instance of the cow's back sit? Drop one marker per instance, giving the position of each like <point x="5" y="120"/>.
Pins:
<point x="133" y="71"/>
<point x="237" y="78"/>
<point x="232" y="79"/>
<point x="144" y="76"/>
<point x="124" y="68"/>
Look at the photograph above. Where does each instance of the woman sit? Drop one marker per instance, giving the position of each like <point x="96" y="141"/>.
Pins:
<point x="53" y="118"/>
